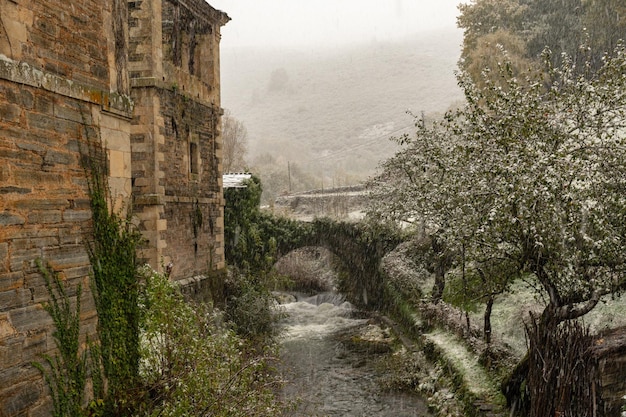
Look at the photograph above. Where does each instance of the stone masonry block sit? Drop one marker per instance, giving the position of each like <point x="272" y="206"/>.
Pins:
<point x="77" y="272"/>
<point x="21" y="259"/>
<point x="4" y="259"/>
<point x="137" y="138"/>
<point x="116" y="139"/>
<point x="19" y="399"/>
<point x="17" y="298"/>
<point x="71" y="113"/>
<point x="62" y="257"/>
<point x="15" y="375"/>
<point x="11" y="281"/>
<point x="59" y="158"/>
<point x="52" y="124"/>
<point x="34" y="233"/>
<point x="15" y="190"/>
<point x="71" y="235"/>
<point x="141" y="182"/>
<point x="120" y="189"/>
<point x="42" y="409"/>
<point x="45" y="217"/>
<point x="33" y="143"/>
<point x="10" y="219"/>
<point x="76" y="215"/>
<point x="40" y="180"/>
<point x="161" y="224"/>
<point x="30" y="318"/>
<point x="11" y="352"/>
<point x="33" y="242"/>
<point x="9" y="113"/>
<point x="35" y="344"/>
<point x="6" y="329"/>
<point x="80" y="204"/>
<point x="39" y="294"/>
<point x="119" y="164"/>
<point x="40" y="204"/>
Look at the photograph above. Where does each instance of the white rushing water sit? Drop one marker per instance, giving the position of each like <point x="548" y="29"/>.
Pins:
<point x="324" y="376"/>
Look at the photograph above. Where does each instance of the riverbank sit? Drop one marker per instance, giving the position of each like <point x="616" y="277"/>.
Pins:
<point x="443" y="356"/>
<point x="453" y="339"/>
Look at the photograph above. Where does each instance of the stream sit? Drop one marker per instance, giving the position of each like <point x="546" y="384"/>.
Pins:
<point x="326" y="376"/>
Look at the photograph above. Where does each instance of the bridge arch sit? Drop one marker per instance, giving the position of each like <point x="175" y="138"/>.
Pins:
<point x="358" y="250"/>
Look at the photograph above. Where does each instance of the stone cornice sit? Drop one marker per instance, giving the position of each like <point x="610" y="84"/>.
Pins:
<point x="26" y="74"/>
<point x="201" y="8"/>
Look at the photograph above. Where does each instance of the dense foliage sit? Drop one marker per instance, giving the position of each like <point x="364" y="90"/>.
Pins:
<point x="254" y="238"/>
<point x="66" y="372"/>
<point x="193" y="364"/>
<point x="525" y="27"/>
<point x="111" y="362"/>
<point x="528" y="177"/>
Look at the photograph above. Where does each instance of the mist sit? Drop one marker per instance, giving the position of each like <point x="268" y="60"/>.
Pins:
<point x="330" y="23"/>
<point x="350" y="71"/>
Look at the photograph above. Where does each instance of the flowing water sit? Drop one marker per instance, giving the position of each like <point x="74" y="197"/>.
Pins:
<point x="324" y="375"/>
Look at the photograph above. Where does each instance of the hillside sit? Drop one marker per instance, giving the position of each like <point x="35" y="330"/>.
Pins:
<point x="331" y="112"/>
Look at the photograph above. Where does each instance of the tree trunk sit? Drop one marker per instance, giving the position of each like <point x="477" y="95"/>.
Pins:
<point x="440" y="269"/>
<point x="487" y="323"/>
<point x="440" y="283"/>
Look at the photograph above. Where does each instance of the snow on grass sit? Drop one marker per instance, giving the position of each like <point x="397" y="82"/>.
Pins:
<point x="512" y="310"/>
<point x="610" y="313"/>
<point x="474" y="375"/>
<point x="510" y="313"/>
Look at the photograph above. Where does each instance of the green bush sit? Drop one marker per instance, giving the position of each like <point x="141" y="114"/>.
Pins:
<point x="194" y="365"/>
<point x="250" y="307"/>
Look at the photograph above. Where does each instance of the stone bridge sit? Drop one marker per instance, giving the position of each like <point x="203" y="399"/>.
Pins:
<point x="359" y="250"/>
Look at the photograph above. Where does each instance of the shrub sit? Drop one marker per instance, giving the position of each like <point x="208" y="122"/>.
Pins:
<point x="194" y="365"/>
<point x="250" y="307"/>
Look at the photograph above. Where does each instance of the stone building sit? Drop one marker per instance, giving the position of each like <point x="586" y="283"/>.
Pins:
<point x="142" y="77"/>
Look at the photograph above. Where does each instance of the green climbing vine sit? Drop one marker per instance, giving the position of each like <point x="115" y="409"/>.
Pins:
<point x="112" y="360"/>
<point x="66" y="371"/>
<point x="112" y="252"/>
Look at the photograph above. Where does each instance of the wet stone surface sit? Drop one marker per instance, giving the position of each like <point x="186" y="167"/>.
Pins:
<point x="330" y="362"/>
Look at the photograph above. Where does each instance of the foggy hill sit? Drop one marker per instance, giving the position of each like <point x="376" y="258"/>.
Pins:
<point x="331" y="111"/>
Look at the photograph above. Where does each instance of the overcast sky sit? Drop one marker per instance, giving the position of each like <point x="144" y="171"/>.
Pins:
<point x="330" y="22"/>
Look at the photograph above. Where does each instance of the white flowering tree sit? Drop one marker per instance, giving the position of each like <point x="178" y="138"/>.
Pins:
<point x="528" y="177"/>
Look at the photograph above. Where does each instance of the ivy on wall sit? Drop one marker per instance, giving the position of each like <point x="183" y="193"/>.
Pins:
<point x="112" y="252"/>
<point x="66" y="372"/>
<point x="253" y="238"/>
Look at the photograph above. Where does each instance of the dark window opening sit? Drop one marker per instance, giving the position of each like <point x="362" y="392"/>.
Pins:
<point x="193" y="158"/>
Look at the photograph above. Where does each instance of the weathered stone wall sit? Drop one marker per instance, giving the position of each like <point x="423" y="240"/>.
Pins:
<point x="192" y="193"/>
<point x="79" y="41"/>
<point x="176" y="142"/>
<point x="59" y="78"/>
<point x="43" y="215"/>
<point x="66" y="69"/>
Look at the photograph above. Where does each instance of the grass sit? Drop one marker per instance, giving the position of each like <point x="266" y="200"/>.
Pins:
<point x="475" y="377"/>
